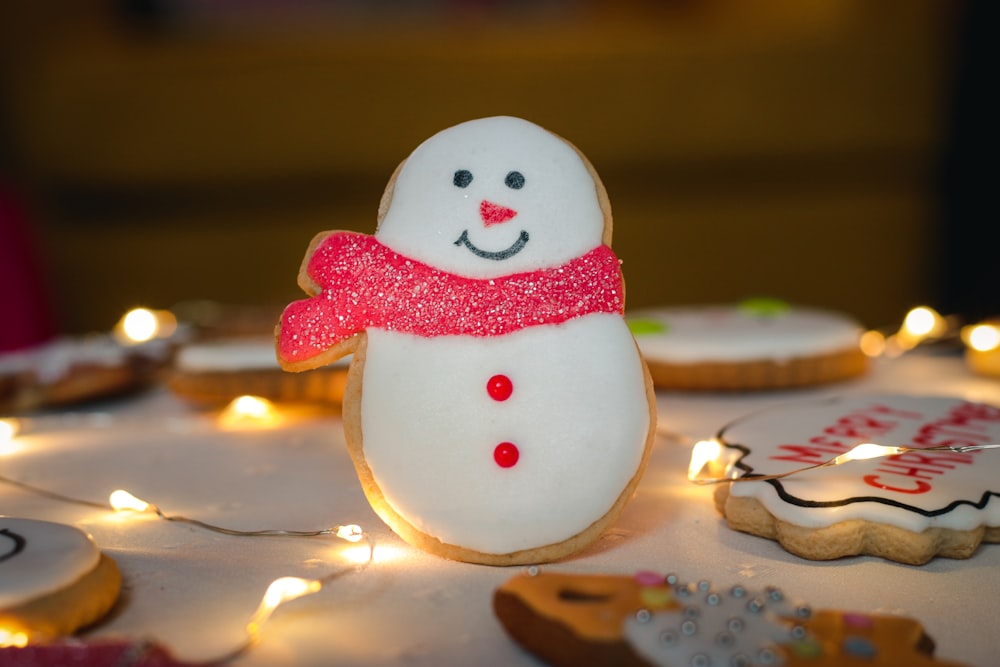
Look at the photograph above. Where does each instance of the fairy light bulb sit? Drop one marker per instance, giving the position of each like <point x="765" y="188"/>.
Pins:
<point x="867" y="450"/>
<point x="982" y="337"/>
<point x="872" y="343"/>
<point x="280" y="591"/>
<point x="122" y="501"/>
<point x="351" y="532"/>
<point x="703" y="454"/>
<point x="9" y="428"/>
<point x="251" y="411"/>
<point x="10" y="637"/>
<point x="920" y="321"/>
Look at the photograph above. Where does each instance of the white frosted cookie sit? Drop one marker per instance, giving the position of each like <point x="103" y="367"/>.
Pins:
<point x="497" y="408"/>
<point x="68" y="370"/>
<point x="219" y="370"/>
<point x="909" y="507"/>
<point x="53" y="579"/>
<point x="651" y="620"/>
<point x="757" y="344"/>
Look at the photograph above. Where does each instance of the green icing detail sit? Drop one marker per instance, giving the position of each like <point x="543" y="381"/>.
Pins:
<point x="646" y="327"/>
<point x="764" y="306"/>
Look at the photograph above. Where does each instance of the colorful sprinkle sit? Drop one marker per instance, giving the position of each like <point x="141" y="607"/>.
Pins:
<point x="640" y="326"/>
<point x="860" y="647"/>
<point x="764" y="307"/>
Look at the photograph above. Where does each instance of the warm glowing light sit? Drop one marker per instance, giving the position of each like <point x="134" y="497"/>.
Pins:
<point x="249" y="410"/>
<point x="872" y="343"/>
<point x="280" y="591"/>
<point x="121" y="500"/>
<point x="14" y="638"/>
<point x="351" y="532"/>
<point x="703" y="455"/>
<point x="9" y="430"/>
<point x="982" y="337"/>
<point x="140" y="325"/>
<point x="867" y="450"/>
<point x="923" y="321"/>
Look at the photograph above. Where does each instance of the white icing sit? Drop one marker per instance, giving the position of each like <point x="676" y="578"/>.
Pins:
<point x="232" y="355"/>
<point x="557" y="206"/>
<point x="716" y="630"/>
<point x="53" y="556"/>
<point x="51" y="361"/>
<point x="799" y="423"/>
<point x="578" y="415"/>
<point x="729" y="333"/>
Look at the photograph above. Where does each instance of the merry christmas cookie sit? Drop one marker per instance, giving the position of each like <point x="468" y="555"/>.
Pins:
<point x="497" y="409"/>
<point x="909" y="507"/>
<point x="53" y="580"/>
<point x="218" y="371"/>
<point x="653" y="620"/>
<point x="757" y="344"/>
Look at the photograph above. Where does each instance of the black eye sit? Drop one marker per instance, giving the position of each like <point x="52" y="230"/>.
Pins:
<point x="462" y="178"/>
<point x="514" y="180"/>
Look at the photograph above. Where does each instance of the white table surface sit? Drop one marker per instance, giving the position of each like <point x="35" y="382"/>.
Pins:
<point x="193" y="590"/>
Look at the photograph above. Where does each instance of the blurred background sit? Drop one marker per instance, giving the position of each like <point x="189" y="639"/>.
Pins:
<point x="833" y="152"/>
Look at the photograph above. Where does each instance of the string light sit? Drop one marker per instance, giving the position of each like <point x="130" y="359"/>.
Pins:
<point x="247" y="410"/>
<point x="703" y="472"/>
<point x="141" y="325"/>
<point x="920" y="326"/>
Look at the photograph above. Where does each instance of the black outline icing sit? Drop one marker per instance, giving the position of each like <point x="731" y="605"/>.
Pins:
<point x="518" y="246"/>
<point x="18" y="540"/>
<point x="791" y="499"/>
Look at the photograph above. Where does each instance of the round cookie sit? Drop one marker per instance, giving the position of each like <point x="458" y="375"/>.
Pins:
<point x="218" y="371"/>
<point x="497" y="409"/>
<point x="909" y="507"/>
<point x="757" y="344"/>
<point x="650" y="620"/>
<point x="53" y="579"/>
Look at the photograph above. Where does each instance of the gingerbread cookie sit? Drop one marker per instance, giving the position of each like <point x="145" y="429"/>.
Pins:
<point x="909" y="507"/>
<point x="653" y="620"/>
<point x="66" y="371"/>
<point x="218" y="371"/>
<point x="497" y="409"/>
<point x="757" y="344"/>
<point x="53" y="580"/>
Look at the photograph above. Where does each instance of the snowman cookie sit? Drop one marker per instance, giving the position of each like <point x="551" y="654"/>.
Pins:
<point x="909" y="507"/>
<point x="497" y="409"/>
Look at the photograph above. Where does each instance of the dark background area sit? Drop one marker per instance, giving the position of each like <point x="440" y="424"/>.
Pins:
<point x="836" y="153"/>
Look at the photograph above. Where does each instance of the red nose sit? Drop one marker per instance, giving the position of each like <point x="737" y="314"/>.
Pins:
<point x="494" y="214"/>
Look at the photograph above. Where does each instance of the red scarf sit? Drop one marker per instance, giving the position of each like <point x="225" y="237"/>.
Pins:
<point x="361" y="283"/>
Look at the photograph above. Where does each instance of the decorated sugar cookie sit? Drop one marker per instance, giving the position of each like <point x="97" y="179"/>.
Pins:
<point x="760" y="343"/>
<point x="53" y="580"/>
<point x="653" y="620"/>
<point x="497" y="409"/>
<point x="908" y="507"/>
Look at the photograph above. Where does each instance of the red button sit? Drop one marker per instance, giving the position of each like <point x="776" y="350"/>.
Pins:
<point x="506" y="454"/>
<point x="500" y="387"/>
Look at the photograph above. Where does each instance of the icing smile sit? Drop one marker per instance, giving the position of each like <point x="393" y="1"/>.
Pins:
<point x="517" y="246"/>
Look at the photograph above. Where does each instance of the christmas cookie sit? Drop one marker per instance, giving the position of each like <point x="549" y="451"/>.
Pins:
<point x="53" y="580"/>
<point x="757" y="344"/>
<point x="218" y="371"/>
<point x="497" y="408"/>
<point x="909" y="507"/>
<point x="66" y="371"/>
<point x="651" y="620"/>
